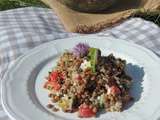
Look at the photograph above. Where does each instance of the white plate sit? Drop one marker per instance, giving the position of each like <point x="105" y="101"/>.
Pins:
<point x="24" y="98"/>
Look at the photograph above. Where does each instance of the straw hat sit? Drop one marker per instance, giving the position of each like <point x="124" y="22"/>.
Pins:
<point x="75" y="21"/>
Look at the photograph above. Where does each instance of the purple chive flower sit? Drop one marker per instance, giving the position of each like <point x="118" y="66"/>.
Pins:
<point x="81" y="49"/>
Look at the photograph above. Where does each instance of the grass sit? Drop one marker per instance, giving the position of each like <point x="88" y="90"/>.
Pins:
<point x="11" y="4"/>
<point x="150" y="16"/>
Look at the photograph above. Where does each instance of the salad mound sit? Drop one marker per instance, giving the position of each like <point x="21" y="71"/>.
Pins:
<point x="86" y="82"/>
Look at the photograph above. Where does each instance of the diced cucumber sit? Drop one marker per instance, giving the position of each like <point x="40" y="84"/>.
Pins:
<point x="102" y="101"/>
<point x="93" y="57"/>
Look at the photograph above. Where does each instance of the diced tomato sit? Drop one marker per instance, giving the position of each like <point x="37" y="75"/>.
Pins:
<point x="85" y="111"/>
<point x="56" y="86"/>
<point x="53" y="76"/>
<point x="115" y="90"/>
<point x="52" y="85"/>
<point x="79" y="77"/>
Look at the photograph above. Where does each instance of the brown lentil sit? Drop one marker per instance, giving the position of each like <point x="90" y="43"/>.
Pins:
<point x="50" y="106"/>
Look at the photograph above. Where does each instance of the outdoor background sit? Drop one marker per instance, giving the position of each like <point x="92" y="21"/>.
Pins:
<point x="11" y="4"/>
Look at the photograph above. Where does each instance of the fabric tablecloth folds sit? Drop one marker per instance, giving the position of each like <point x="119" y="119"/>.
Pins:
<point x="25" y="28"/>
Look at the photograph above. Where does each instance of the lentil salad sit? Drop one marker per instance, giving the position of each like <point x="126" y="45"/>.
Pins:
<point x="86" y="82"/>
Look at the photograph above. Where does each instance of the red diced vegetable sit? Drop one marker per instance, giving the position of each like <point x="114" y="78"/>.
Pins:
<point x="85" y="111"/>
<point x="115" y="90"/>
<point x="52" y="85"/>
<point x="79" y="77"/>
<point x="56" y="86"/>
<point x="53" y="76"/>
